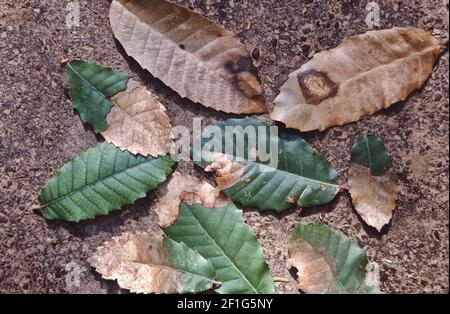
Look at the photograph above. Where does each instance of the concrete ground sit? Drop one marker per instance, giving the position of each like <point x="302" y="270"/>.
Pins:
<point x="39" y="133"/>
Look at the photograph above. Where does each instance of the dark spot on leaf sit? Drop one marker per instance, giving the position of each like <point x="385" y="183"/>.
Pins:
<point x="316" y="86"/>
<point x="245" y="77"/>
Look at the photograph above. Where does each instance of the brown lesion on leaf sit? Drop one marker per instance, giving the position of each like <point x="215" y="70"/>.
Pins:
<point x="315" y="268"/>
<point x="316" y="86"/>
<point x="245" y="77"/>
<point x="139" y="262"/>
<point x="185" y="188"/>
<point x="226" y="172"/>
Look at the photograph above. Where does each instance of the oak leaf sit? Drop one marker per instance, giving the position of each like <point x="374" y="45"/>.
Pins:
<point x="364" y="74"/>
<point x="190" y="53"/>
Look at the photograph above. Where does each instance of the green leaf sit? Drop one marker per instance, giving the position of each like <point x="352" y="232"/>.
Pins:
<point x="301" y="176"/>
<point x="100" y="180"/>
<point x="221" y="236"/>
<point x="328" y="263"/>
<point x="198" y="272"/>
<point x="370" y="151"/>
<point x="90" y="86"/>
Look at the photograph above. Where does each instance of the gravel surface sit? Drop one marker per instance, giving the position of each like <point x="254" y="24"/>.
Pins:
<point x="39" y="133"/>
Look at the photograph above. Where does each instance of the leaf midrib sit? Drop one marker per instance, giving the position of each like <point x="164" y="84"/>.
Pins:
<point x="294" y="74"/>
<point x="142" y="127"/>
<point x="224" y="254"/>
<point x="86" y="81"/>
<point x="304" y="178"/>
<point x="398" y="60"/>
<point x="177" y="270"/>
<point x="290" y="174"/>
<point x="110" y="99"/>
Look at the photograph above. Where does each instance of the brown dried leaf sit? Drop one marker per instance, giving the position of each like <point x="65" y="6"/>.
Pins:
<point x="138" y="123"/>
<point x="374" y="197"/>
<point x="185" y="188"/>
<point x="364" y="74"/>
<point x="143" y="263"/>
<point x="137" y="262"/>
<point x="315" y="270"/>
<point x="190" y="53"/>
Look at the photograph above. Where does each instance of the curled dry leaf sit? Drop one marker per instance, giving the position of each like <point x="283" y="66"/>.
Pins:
<point x="138" y="122"/>
<point x="190" y="53"/>
<point x="371" y="183"/>
<point x="185" y="188"/>
<point x="364" y="74"/>
<point x="144" y="263"/>
<point x="329" y="263"/>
